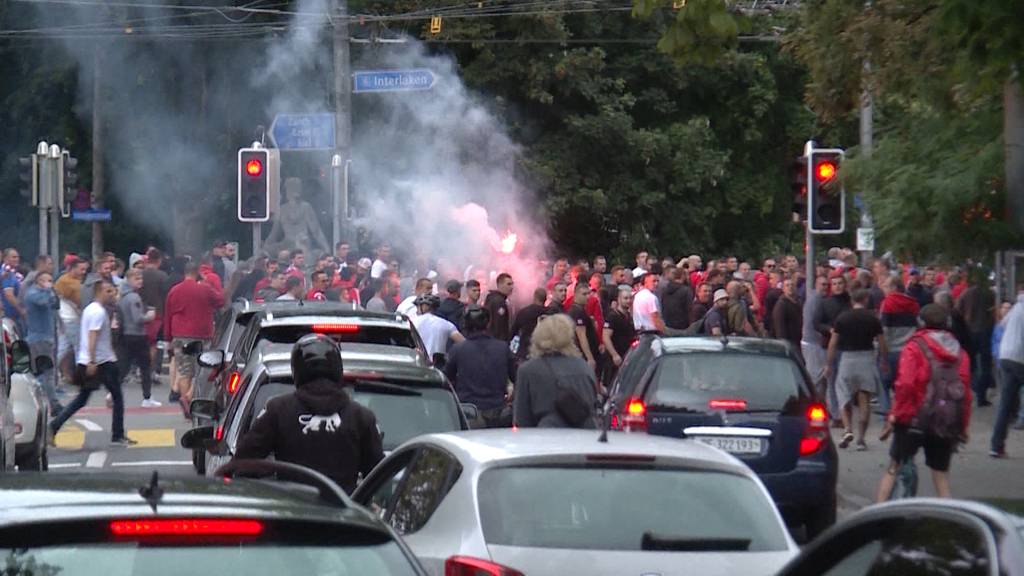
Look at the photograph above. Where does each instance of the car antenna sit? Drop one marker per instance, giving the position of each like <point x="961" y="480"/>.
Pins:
<point x="603" y="438"/>
<point x="152" y="493"/>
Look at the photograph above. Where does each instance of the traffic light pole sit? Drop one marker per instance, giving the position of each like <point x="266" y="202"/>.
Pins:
<point x="808" y="235"/>
<point x="342" y="123"/>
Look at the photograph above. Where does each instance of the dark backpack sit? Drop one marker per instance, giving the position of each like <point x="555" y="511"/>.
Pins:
<point x="941" y="412"/>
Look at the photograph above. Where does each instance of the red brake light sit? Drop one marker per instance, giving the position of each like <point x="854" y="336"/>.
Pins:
<point x="254" y="167"/>
<point x="727" y="404"/>
<point x="810" y="444"/>
<point x="218" y="433"/>
<point x="332" y="328"/>
<point x="467" y="566"/>
<point x="234" y="382"/>
<point x="186" y="527"/>
<point x="636" y="407"/>
<point x="817" y="414"/>
<point x="634" y="417"/>
<point x="816" y="433"/>
<point x="634" y="343"/>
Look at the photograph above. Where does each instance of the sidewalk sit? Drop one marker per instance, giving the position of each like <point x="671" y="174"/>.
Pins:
<point x="974" y="474"/>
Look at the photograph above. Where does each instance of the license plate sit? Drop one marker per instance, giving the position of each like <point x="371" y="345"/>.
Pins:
<point x="733" y="444"/>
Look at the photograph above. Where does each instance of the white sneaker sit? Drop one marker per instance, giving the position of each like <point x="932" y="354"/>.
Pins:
<point x="149" y="403"/>
<point x="110" y="400"/>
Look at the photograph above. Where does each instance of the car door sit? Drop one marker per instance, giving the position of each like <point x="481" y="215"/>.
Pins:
<point x="903" y="541"/>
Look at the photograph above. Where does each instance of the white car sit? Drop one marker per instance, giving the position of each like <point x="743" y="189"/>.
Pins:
<point x="557" y="501"/>
<point x="7" y="428"/>
<point x="28" y="403"/>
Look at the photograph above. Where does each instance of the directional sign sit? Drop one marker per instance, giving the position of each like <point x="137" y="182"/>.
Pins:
<point x="303" y="131"/>
<point x="91" y="215"/>
<point x="393" y="80"/>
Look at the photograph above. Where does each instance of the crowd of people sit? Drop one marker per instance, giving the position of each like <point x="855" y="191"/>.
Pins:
<point x="575" y="325"/>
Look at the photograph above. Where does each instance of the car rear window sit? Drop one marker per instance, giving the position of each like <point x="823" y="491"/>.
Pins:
<point x="402" y="413"/>
<point x="241" y="559"/>
<point x="692" y="380"/>
<point x="608" y="508"/>
<point x="385" y="335"/>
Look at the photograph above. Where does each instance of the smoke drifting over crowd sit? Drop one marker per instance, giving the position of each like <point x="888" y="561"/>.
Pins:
<point x="434" y="172"/>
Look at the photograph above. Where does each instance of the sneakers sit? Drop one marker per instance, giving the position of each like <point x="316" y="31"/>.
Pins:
<point x="862" y="446"/>
<point x="997" y="453"/>
<point x="150" y="403"/>
<point x="110" y="400"/>
<point x="126" y="441"/>
<point x="847" y="438"/>
<point x="173" y="397"/>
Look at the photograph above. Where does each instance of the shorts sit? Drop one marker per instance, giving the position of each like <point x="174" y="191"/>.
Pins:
<point x="153" y="329"/>
<point x="938" y="452"/>
<point x="187" y="365"/>
<point x="67" y="340"/>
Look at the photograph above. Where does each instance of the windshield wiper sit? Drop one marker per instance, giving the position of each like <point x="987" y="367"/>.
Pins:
<point x="657" y="542"/>
<point x="385" y="388"/>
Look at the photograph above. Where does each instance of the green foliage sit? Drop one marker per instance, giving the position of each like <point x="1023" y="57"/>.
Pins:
<point x="702" y="30"/>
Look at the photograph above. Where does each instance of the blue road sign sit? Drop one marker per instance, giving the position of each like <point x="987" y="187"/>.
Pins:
<point x="91" y="215"/>
<point x="303" y="131"/>
<point x="393" y="80"/>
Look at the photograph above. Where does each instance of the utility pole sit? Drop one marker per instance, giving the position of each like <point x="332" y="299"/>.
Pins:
<point x="809" y="265"/>
<point x="867" y="139"/>
<point x="342" y="121"/>
<point x="98" y="176"/>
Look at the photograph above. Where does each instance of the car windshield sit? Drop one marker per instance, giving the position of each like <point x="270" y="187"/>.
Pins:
<point x="241" y="559"/>
<point x="385" y="335"/>
<point x="592" y="508"/>
<point x="692" y="380"/>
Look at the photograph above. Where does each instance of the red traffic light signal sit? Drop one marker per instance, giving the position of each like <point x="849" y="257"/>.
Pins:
<point x="254" y="167"/>
<point x="825" y="170"/>
<point x="826" y="197"/>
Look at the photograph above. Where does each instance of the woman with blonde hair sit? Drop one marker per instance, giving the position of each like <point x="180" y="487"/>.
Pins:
<point x="555" y="388"/>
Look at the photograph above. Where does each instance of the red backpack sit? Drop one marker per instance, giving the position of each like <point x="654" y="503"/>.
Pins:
<point x="941" y="412"/>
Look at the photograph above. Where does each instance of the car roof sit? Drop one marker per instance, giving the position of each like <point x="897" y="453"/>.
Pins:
<point x="315" y="311"/>
<point x="762" y="346"/>
<point x="31" y="498"/>
<point x="501" y="447"/>
<point x="390" y="361"/>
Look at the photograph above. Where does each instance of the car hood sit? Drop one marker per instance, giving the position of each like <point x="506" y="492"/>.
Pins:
<point x="553" y="561"/>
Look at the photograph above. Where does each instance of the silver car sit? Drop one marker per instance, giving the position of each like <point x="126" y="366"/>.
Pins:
<point x="556" y="501"/>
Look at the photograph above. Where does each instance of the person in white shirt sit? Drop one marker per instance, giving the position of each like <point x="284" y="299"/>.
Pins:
<point x="408" y="306"/>
<point x="641" y="264"/>
<point x="1011" y="376"/>
<point x="380" y="265"/>
<point x="646" y="310"/>
<point x="434" y="330"/>
<point x="96" y="364"/>
<point x="293" y="289"/>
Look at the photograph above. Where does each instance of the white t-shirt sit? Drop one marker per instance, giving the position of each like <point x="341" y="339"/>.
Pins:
<point x="378" y="268"/>
<point x="95" y="317"/>
<point x="645" y="304"/>
<point x="408" y="308"/>
<point x="435" y="332"/>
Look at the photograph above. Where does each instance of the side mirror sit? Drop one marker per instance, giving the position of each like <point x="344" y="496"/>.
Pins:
<point x="471" y="412"/>
<point x="21" y="357"/>
<point x="212" y="359"/>
<point x="197" y="438"/>
<point x="42" y="364"/>
<point x="193" y="348"/>
<point x="204" y="408"/>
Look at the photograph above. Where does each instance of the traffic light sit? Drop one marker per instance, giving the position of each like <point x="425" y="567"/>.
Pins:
<point x="798" y="181"/>
<point x="826" y="197"/>
<point x="28" y="171"/>
<point x="70" y="174"/>
<point x="253" y="185"/>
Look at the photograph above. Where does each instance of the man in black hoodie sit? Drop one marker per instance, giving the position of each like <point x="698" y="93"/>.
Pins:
<point x="318" y="426"/>
<point x="497" y="305"/>
<point x="676" y="300"/>
<point x="824" y="320"/>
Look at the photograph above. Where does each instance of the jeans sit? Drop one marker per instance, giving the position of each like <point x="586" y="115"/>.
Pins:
<point x="981" y="364"/>
<point x="135" y="352"/>
<point x="108" y="374"/>
<point x="46" y="379"/>
<point x="1012" y="377"/>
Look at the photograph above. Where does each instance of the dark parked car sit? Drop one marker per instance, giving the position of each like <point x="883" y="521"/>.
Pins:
<point x="105" y="524"/>
<point x="750" y="397"/>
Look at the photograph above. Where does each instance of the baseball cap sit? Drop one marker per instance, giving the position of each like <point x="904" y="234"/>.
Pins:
<point x="365" y="263"/>
<point x="721" y="295"/>
<point x="914" y="272"/>
<point x="453" y="287"/>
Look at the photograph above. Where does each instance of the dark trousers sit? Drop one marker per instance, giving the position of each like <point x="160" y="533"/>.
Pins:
<point x="981" y="364"/>
<point x="135" y="352"/>
<point x="108" y="375"/>
<point x="1011" y="376"/>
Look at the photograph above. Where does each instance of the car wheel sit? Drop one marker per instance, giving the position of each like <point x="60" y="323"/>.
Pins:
<point x="819" y="519"/>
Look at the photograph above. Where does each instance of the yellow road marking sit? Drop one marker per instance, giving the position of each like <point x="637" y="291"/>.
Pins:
<point x="153" y="437"/>
<point x="70" y="438"/>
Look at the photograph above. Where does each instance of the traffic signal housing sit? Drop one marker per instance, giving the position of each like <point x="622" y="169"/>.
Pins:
<point x="826" y="197"/>
<point x="798" y="182"/>
<point x="254" y="185"/>
<point x="28" y="171"/>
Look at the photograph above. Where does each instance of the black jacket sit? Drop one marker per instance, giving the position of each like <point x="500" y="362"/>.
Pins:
<point x="480" y="368"/>
<point x="501" y="325"/>
<point x="452" y="310"/>
<point x="830" y="309"/>
<point x="320" y="427"/>
<point x="675" y="305"/>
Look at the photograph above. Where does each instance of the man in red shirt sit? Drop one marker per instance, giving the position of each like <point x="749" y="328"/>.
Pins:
<point x="188" y="317"/>
<point x="319" y="285"/>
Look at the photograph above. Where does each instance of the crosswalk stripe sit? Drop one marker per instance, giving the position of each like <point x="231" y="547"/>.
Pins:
<point x="70" y="438"/>
<point x="89" y="425"/>
<point x="152" y="437"/>
<point x="96" y="460"/>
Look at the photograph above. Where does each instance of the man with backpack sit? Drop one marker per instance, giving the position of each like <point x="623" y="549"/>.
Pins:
<point x="932" y="402"/>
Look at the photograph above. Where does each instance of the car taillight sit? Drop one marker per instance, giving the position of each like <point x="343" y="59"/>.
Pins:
<point x="816" y="433"/>
<point x="467" y="566"/>
<point x="634" y="417"/>
<point x="234" y="382"/>
<point x="218" y="433"/>
<point x="332" y="328"/>
<point x="634" y="343"/>
<point x="186" y="527"/>
<point x="727" y="404"/>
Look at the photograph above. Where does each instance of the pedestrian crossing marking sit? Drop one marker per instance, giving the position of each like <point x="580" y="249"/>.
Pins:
<point x="70" y="438"/>
<point x="152" y="437"/>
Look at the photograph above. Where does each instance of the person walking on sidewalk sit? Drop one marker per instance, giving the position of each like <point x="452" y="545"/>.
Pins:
<point x="97" y="364"/>
<point x="932" y="402"/>
<point x="1011" y="376"/>
<point x="134" y="349"/>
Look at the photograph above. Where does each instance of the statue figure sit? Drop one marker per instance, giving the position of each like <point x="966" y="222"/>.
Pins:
<point x="295" y="225"/>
